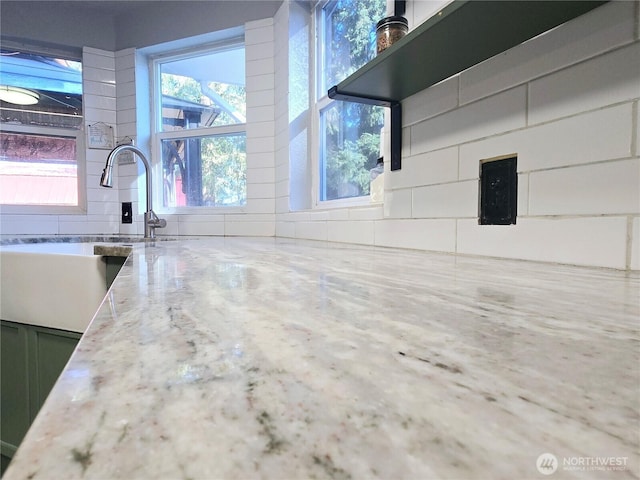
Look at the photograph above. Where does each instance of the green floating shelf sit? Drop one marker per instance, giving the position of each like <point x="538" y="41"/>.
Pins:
<point x="461" y="35"/>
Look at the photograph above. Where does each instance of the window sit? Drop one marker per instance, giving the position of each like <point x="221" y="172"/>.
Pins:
<point x="201" y="127"/>
<point x="40" y="132"/>
<point x="349" y="132"/>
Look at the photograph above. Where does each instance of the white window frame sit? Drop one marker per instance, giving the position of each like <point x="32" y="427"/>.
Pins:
<point x="81" y="172"/>
<point x="157" y="135"/>
<point x="321" y="101"/>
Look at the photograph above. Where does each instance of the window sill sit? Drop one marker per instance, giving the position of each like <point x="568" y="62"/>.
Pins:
<point x="346" y="203"/>
<point x="200" y="210"/>
<point x="42" y="210"/>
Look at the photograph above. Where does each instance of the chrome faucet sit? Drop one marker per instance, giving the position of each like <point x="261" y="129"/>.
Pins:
<point x="151" y="220"/>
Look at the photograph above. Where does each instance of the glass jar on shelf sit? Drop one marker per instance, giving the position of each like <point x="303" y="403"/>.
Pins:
<point x="389" y="30"/>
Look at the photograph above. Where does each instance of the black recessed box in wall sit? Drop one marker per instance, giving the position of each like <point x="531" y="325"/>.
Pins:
<point x="127" y="213"/>
<point x="498" y="191"/>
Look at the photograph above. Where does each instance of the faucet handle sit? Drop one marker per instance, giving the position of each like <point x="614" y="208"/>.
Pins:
<point x="154" y="221"/>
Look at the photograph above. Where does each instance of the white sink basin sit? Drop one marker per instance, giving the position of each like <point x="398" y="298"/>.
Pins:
<point x="56" y="285"/>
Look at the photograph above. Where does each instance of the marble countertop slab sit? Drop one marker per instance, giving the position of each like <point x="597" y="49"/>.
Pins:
<point x="237" y="358"/>
<point x="6" y="240"/>
<point x="113" y="250"/>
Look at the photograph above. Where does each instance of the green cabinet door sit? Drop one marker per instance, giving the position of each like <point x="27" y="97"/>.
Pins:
<point x="50" y="351"/>
<point x="114" y="264"/>
<point x="15" y="414"/>
<point x="32" y="359"/>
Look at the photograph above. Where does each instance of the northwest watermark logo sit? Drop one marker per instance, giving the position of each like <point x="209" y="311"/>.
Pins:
<point x="548" y="464"/>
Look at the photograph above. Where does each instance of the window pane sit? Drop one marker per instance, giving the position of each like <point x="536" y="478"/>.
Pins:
<point x="205" y="171"/>
<point x="38" y="169"/>
<point x="54" y="83"/>
<point x="348" y="37"/>
<point x="350" y="148"/>
<point x="349" y="132"/>
<point x="40" y="100"/>
<point x="204" y="90"/>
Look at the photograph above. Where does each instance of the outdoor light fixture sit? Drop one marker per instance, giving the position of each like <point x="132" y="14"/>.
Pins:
<point x="18" y="96"/>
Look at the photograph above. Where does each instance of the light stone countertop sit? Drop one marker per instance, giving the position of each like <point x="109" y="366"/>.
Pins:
<point x="113" y="250"/>
<point x="242" y="358"/>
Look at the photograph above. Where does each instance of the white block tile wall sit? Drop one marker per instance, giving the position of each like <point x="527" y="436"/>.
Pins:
<point x="634" y="247"/>
<point x="636" y="127"/>
<point x="264" y="228"/>
<point x="433" y="101"/>
<point x="211" y="226"/>
<point x="11" y="224"/>
<point x="130" y="176"/>
<point x="285" y="229"/>
<point x="491" y="116"/>
<point x="606" y="188"/>
<point x="338" y="214"/>
<point x="569" y="141"/>
<point x="311" y="230"/>
<point x="397" y="203"/>
<point x="594" y="241"/>
<point x="523" y="195"/>
<point x="422" y="10"/>
<point x="261" y="82"/>
<point x="98" y="72"/>
<point x="360" y="232"/>
<point x="421" y="234"/>
<point x="596" y="32"/>
<point x="365" y="213"/>
<point x="580" y="88"/>
<point x="281" y="110"/>
<point x="427" y="168"/>
<point x="566" y="103"/>
<point x="448" y="200"/>
<point x="261" y="107"/>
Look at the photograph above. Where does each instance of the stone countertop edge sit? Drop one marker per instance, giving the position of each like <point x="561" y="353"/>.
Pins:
<point x="113" y="250"/>
<point x="272" y="358"/>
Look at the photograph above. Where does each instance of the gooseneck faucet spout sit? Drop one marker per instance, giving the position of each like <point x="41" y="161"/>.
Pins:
<point x="151" y="220"/>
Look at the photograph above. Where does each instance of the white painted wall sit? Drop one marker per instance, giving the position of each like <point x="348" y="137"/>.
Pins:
<point x="567" y="104"/>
